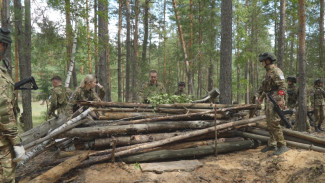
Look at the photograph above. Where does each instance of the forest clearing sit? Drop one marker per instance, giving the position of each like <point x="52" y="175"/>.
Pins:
<point x="162" y="91"/>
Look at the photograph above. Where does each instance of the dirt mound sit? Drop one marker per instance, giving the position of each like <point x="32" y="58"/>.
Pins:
<point x="245" y="166"/>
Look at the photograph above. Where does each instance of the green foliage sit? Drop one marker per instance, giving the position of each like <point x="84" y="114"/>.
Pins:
<point x="137" y="166"/>
<point x="169" y="99"/>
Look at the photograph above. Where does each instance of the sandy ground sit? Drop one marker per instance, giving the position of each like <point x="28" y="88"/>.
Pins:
<point x="295" y="165"/>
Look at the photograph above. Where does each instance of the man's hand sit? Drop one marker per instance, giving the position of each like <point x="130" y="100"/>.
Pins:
<point x="99" y="85"/>
<point x="19" y="152"/>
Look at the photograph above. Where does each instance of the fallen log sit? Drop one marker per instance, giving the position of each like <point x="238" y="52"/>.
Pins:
<point x="115" y="116"/>
<point x="163" y="155"/>
<point x="174" y="139"/>
<point x="298" y="135"/>
<point x="137" y="128"/>
<point x="286" y="137"/>
<point x="176" y="105"/>
<point x="290" y="143"/>
<point x="42" y="130"/>
<point x="66" y="126"/>
<point x="55" y="173"/>
<point x="165" y="118"/>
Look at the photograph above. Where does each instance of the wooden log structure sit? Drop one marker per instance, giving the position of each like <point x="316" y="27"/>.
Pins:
<point x="66" y="126"/>
<point x="174" y="139"/>
<point x="176" y="105"/>
<point x="163" y="155"/>
<point x="137" y="128"/>
<point x="42" y="130"/>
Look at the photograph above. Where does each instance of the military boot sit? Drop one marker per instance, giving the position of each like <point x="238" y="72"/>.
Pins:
<point x="281" y="150"/>
<point x="316" y="129"/>
<point x="268" y="148"/>
<point x="320" y="128"/>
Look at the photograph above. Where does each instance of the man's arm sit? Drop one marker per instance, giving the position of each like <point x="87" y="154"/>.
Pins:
<point x="53" y="102"/>
<point x="8" y="120"/>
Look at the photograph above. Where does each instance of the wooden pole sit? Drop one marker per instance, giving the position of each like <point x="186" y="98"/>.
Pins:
<point x="215" y="131"/>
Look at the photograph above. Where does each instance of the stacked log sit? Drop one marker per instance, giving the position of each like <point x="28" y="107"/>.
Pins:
<point x="143" y="132"/>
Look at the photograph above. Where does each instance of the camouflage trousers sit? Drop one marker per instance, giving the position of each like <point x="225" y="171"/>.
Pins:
<point x="274" y="127"/>
<point x="319" y="115"/>
<point x="8" y="167"/>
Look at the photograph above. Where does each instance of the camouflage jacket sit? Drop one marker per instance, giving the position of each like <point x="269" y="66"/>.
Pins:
<point x="180" y="92"/>
<point x="317" y="96"/>
<point x="292" y="96"/>
<point x="148" y="90"/>
<point x="81" y="94"/>
<point x="59" y="99"/>
<point x="8" y="124"/>
<point x="274" y="81"/>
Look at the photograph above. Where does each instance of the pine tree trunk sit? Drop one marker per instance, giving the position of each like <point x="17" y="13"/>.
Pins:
<point x="96" y="38"/>
<point x="146" y="30"/>
<point x="226" y="53"/>
<point x="302" y="98"/>
<point x="103" y="44"/>
<point x="281" y="34"/>
<point x="119" y="59"/>
<point x="164" y="32"/>
<point x="88" y="38"/>
<point x="27" y="94"/>
<point x="136" y="54"/>
<point x="321" y="33"/>
<point x="128" y="52"/>
<point x="5" y="23"/>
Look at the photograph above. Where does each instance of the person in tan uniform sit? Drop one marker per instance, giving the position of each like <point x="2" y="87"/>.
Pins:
<point x="151" y="88"/>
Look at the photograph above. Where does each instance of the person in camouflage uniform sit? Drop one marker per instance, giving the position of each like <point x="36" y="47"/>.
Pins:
<point x="59" y="98"/>
<point x="317" y="96"/>
<point x="11" y="150"/>
<point x="86" y="92"/>
<point x="273" y="82"/>
<point x="181" y="87"/>
<point x="151" y="88"/>
<point x="292" y="93"/>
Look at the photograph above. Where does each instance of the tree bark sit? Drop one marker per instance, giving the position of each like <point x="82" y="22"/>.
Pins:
<point x="40" y="131"/>
<point x="88" y="38"/>
<point x="136" y="54"/>
<point x="226" y="53"/>
<point x="66" y="126"/>
<point x="302" y="98"/>
<point x="5" y="23"/>
<point x="96" y="37"/>
<point x="163" y="155"/>
<point x="174" y="139"/>
<point x="137" y="128"/>
<point x="128" y="52"/>
<point x="55" y="173"/>
<point x="24" y="65"/>
<point x="119" y="52"/>
<point x="103" y="45"/>
<point x="321" y="34"/>
<point x="146" y="29"/>
<point x="281" y="34"/>
<point x="290" y="143"/>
